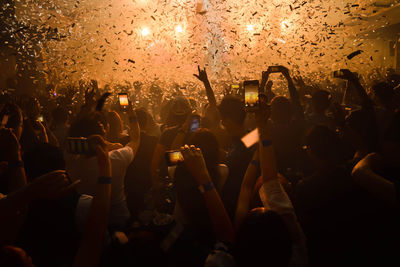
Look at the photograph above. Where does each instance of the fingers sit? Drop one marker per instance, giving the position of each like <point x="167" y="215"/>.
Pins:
<point x="198" y="68"/>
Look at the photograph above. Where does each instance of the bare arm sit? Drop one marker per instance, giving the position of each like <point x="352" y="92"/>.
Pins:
<point x="202" y="76"/>
<point x="222" y="225"/>
<point x="246" y="190"/>
<point x="91" y="245"/>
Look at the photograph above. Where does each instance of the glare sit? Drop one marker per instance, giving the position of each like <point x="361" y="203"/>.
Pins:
<point x="179" y="28"/>
<point x="250" y="28"/>
<point x="145" y="31"/>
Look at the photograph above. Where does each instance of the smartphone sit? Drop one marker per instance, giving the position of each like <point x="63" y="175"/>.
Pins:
<point x="195" y="123"/>
<point x="251" y="138"/>
<point x="79" y="146"/>
<point x="251" y="94"/>
<point x="123" y="101"/>
<point x="274" y="69"/>
<point x="173" y="157"/>
<point x="338" y="74"/>
<point x="40" y="118"/>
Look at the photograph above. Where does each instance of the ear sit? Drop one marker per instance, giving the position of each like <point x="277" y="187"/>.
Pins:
<point x="3" y="166"/>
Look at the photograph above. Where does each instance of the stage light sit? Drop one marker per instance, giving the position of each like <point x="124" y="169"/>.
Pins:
<point x="179" y="29"/>
<point x="250" y="28"/>
<point x="145" y="31"/>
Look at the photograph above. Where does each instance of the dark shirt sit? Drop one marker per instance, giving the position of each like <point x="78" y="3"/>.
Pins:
<point x="237" y="161"/>
<point x="138" y="177"/>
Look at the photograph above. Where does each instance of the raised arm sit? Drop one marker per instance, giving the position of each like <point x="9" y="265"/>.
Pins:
<point x="222" y="225"/>
<point x="134" y="131"/>
<point x="294" y="95"/>
<point x="351" y="77"/>
<point x="202" y="76"/>
<point x="91" y="245"/>
<point x="246" y="190"/>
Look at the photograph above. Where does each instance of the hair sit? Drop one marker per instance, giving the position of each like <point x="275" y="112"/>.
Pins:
<point x="190" y="198"/>
<point x="281" y="109"/>
<point x="14" y="114"/>
<point x="142" y="116"/>
<point x="86" y="127"/>
<point x="11" y="256"/>
<point x="232" y="108"/>
<point x="320" y="100"/>
<point x="60" y="115"/>
<point x="384" y="92"/>
<point x="43" y="158"/>
<point x="324" y="143"/>
<point x="263" y="237"/>
<point x="114" y="121"/>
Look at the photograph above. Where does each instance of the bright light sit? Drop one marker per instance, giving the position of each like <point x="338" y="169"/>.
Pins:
<point x="285" y="24"/>
<point x="145" y="31"/>
<point x="250" y="28"/>
<point x="179" y="28"/>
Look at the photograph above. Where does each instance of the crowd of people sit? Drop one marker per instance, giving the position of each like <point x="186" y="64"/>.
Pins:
<point x="318" y="186"/>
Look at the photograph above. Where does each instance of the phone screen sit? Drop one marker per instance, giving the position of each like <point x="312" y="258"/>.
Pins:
<point x="251" y="93"/>
<point x="195" y="124"/>
<point x="338" y="74"/>
<point x="173" y="157"/>
<point x="274" y="69"/>
<point x="123" y="100"/>
<point x="251" y="138"/>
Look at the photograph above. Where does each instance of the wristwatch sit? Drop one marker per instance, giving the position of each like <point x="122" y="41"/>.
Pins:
<point x="206" y="187"/>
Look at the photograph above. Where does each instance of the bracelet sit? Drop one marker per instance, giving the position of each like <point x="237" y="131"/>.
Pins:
<point x="104" y="180"/>
<point x="206" y="187"/>
<point x="266" y="143"/>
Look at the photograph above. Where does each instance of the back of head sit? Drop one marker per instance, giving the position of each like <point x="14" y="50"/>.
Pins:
<point x="142" y="116"/>
<point x="320" y="101"/>
<point x="232" y="108"/>
<point x="208" y="143"/>
<point x="179" y="109"/>
<point x="384" y="92"/>
<point x="15" y="119"/>
<point x="324" y="144"/>
<point x="114" y="121"/>
<point x="60" y="115"/>
<point x="263" y="240"/>
<point x="85" y="127"/>
<point x="43" y="158"/>
<point x="281" y="110"/>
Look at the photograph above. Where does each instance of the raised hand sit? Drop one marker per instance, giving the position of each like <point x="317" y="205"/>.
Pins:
<point x="202" y="76"/>
<point x="194" y="161"/>
<point x="51" y="185"/>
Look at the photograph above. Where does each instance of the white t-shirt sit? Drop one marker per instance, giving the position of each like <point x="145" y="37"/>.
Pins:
<point x="82" y="168"/>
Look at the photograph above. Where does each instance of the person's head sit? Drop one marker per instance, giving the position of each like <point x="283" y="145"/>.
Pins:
<point x="30" y="106"/>
<point x="384" y="93"/>
<point x="320" y="101"/>
<point x="281" y="110"/>
<point x="86" y="127"/>
<point x="60" y="115"/>
<point x="14" y="118"/>
<point x="263" y="239"/>
<point x="324" y="145"/>
<point x="232" y="112"/>
<point x="11" y="256"/>
<point x="211" y="117"/>
<point x="179" y="109"/>
<point x="114" y="121"/>
<point x="142" y="117"/>
<point x="41" y="159"/>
